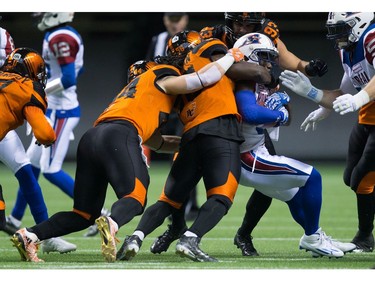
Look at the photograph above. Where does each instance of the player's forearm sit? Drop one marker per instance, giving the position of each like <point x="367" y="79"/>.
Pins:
<point x="42" y="130"/>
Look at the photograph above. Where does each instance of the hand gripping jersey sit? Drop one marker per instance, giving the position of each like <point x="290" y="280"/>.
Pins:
<point x="63" y="46"/>
<point x="211" y="102"/>
<point x="15" y="93"/>
<point x="142" y="102"/>
<point x="359" y="68"/>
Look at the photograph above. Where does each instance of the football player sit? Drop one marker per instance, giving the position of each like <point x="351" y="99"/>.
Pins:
<point x="209" y="149"/>
<point x="354" y="36"/>
<point x="13" y="155"/>
<point x="236" y="25"/>
<point x="298" y="184"/>
<point x="111" y="152"/>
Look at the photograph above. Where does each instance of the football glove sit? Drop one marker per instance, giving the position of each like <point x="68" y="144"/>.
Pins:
<point x="236" y="54"/>
<point x="270" y="29"/>
<point x="348" y="103"/>
<point x="314" y="117"/>
<point x="301" y="85"/>
<point x="316" y="67"/>
<point x="284" y="118"/>
<point x="277" y="100"/>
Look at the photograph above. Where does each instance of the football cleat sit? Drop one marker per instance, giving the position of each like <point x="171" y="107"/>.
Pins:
<point x="93" y="229"/>
<point x="245" y="243"/>
<point x="10" y="227"/>
<point x="162" y="242"/>
<point x="130" y="248"/>
<point x="319" y="244"/>
<point x="27" y="245"/>
<point x="189" y="247"/>
<point x="108" y="229"/>
<point x="57" y="244"/>
<point x="363" y="242"/>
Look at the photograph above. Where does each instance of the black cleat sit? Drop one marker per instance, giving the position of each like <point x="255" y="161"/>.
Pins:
<point x="189" y="247"/>
<point x="9" y="227"/>
<point x="130" y="248"/>
<point x="162" y="242"/>
<point x="245" y="243"/>
<point x="364" y="242"/>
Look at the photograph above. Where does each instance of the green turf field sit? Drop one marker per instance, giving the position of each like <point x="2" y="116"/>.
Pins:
<point x="276" y="237"/>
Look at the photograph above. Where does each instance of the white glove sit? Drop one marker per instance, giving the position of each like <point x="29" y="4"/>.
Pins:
<point x="314" y="117"/>
<point x="347" y="103"/>
<point x="301" y="85"/>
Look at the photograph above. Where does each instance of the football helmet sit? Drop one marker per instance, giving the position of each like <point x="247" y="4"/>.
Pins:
<point x="257" y="48"/>
<point x="180" y="44"/>
<point x="346" y="27"/>
<point x="46" y="21"/>
<point x="27" y="63"/>
<point x="138" y="68"/>
<point x="245" y="18"/>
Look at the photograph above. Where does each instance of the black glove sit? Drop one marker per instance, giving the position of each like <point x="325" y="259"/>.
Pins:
<point x="316" y="67"/>
<point x="270" y="29"/>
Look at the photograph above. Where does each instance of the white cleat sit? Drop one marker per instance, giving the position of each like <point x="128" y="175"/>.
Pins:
<point x="57" y="244"/>
<point x="320" y="245"/>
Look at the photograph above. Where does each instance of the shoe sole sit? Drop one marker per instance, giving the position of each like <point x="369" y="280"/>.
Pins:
<point x="19" y="246"/>
<point x="316" y="254"/>
<point x="107" y="241"/>
<point x="184" y="252"/>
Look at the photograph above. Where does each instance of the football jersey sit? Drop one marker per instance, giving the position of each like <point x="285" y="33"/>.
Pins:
<point x="15" y="93"/>
<point x="142" y="102"/>
<point x="210" y="102"/>
<point x="6" y="45"/>
<point x="61" y="46"/>
<point x="359" y="67"/>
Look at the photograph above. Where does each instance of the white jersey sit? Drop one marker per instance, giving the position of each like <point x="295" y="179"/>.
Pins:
<point x="62" y="46"/>
<point x="254" y="134"/>
<point x="276" y="176"/>
<point x="360" y="69"/>
<point x="6" y="45"/>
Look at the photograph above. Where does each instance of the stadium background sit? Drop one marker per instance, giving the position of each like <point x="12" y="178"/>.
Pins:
<point x="115" y="40"/>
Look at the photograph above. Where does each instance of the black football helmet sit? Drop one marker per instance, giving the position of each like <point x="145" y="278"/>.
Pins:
<point x="138" y="68"/>
<point x="27" y="63"/>
<point x="180" y="45"/>
<point x="247" y="18"/>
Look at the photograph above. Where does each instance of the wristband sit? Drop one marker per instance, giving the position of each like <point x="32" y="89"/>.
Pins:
<point x="361" y="99"/>
<point x="315" y="94"/>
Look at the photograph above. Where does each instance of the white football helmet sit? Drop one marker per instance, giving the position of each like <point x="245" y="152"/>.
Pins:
<point x="347" y="27"/>
<point x="257" y="47"/>
<point x="48" y="20"/>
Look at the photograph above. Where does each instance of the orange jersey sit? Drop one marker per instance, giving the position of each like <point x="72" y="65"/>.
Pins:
<point x="211" y="102"/>
<point x="142" y="102"/>
<point x="367" y="114"/>
<point x="17" y="92"/>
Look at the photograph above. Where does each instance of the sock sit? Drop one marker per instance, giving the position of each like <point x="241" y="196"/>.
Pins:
<point x="256" y="207"/>
<point x="2" y="209"/>
<point x="62" y="180"/>
<point x="32" y="193"/>
<point x="19" y="206"/>
<point x="190" y="234"/>
<point x="17" y="223"/>
<point x="140" y="234"/>
<point x="306" y="204"/>
<point x="365" y="208"/>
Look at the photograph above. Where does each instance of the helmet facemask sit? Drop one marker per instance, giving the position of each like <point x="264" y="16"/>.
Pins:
<point x="347" y="28"/>
<point x="249" y="19"/>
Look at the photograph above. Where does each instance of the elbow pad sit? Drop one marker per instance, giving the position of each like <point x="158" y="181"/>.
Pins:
<point x="53" y="87"/>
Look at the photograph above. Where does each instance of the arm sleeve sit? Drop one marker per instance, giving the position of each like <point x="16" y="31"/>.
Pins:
<point x="68" y="78"/>
<point x="253" y="113"/>
<point x="42" y="130"/>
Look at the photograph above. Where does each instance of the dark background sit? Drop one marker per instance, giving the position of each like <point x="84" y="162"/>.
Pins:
<point x="115" y="40"/>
